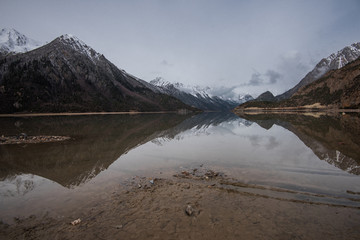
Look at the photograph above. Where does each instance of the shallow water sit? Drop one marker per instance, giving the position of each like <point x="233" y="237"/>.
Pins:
<point x="303" y="158"/>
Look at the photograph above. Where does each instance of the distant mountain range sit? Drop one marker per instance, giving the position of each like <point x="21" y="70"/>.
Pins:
<point x="197" y="96"/>
<point x="333" y="83"/>
<point x="66" y="75"/>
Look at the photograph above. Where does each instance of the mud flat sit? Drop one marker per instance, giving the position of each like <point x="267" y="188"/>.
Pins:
<point x="193" y="204"/>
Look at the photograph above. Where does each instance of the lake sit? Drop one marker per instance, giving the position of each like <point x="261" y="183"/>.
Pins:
<point x="308" y="159"/>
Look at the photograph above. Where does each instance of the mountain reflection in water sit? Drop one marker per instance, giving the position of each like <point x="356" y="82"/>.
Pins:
<point x="335" y="139"/>
<point x="96" y="142"/>
<point x="107" y="149"/>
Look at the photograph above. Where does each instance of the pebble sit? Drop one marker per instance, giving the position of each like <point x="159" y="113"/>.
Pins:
<point x="118" y="226"/>
<point x="189" y="210"/>
<point x="76" y="222"/>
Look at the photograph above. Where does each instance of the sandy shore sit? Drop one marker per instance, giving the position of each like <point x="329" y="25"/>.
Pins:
<point x="191" y="206"/>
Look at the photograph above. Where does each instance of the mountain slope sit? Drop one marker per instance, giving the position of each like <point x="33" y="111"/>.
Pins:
<point x="332" y="62"/>
<point x="338" y="89"/>
<point x="11" y="41"/>
<point x="196" y="96"/>
<point x="66" y="75"/>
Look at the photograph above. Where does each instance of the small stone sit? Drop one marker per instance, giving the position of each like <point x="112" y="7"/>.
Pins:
<point x="118" y="226"/>
<point x="76" y="222"/>
<point x="151" y="181"/>
<point x="139" y="186"/>
<point x="189" y="210"/>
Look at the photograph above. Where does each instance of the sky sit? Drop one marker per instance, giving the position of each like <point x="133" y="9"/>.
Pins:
<point x="234" y="46"/>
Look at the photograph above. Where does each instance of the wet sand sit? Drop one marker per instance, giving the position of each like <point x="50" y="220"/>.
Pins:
<point x="155" y="208"/>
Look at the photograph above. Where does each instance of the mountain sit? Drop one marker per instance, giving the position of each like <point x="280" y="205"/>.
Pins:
<point x="197" y="96"/>
<point x="11" y="41"/>
<point x="332" y="62"/>
<point x="337" y="89"/>
<point x="336" y="86"/>
<point x="67" y="75"/>
<point x="245" y="98"/>
<point x="266" y="96"/>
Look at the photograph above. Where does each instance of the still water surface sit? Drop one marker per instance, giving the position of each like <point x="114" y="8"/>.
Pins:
<point x="299" y="157"/>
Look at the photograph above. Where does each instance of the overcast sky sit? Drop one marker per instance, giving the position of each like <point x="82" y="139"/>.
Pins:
<point x="247" y="46"/>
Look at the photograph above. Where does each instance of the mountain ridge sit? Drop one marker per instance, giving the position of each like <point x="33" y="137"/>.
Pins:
<point x="337" y="89"/>
<point x="332" y="62"/>
<point x="66" y="75"/>
<point x="196" y="96"/>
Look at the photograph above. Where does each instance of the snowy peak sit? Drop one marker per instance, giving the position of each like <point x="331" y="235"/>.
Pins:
<point x="204" y="98"/>
<point x="245" y="98"/>
<point x="79" y="46"/>
<point x="342" y="57"/>
<point x="200" y="91"/>
<point x="11" y="41"/>
<point x="334" y="61"/>
<point x="196" y="91"/>
<point x="160" y="82"/>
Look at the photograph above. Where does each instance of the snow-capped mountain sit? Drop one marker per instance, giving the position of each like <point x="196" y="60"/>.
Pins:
<point x="199" y="97"/>
<point x="80" y="46"/>
<point x="342" y="57"/>
<point x="11" y="41"/>
<point x="334" y="61"/>
<point x="66" y="75"/>
<point x="244" y="98"/>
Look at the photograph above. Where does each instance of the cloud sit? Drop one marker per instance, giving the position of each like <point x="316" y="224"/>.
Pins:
<point x="166" y="63"/>
<point x="226" y="92"/>
<point x="255" y="80"/>
<point x="273" y="76"/>
<point x="258" y="79"/>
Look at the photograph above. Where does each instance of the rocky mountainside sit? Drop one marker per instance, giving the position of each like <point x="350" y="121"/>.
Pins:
<point x="338" y="88"/>
<point x="196" y="96"/>
<point x="11" y="41"/>
<point x="67" y="75"/>
<point x="332" y="62"/>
